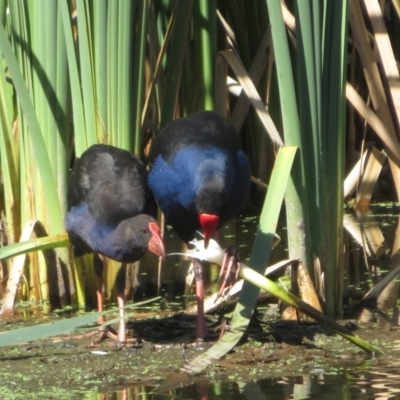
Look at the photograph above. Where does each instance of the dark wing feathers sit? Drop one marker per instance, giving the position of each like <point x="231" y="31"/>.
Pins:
<point x="200" y="129"/>
<point x="112" y="182"/>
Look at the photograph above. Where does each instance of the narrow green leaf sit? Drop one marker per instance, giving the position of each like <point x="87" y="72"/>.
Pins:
<point x="309" y="86"/>
<point x="24" y="335"/>
<point x="42" y="243"/>
<point x="296" y="206"/>
<point x="138" y="87"/>
<point x="81" y="139"/>
<point x="86" y="70"/>
<point x="178" y="47"/>
<point x="266" y="284"/>
<point x="8" y="161"/>
<point x="112" y="73"/>
<point x="100" y="15"/>
<point x="333" y="127"/>
<point x="208" y="44"/>
<point x="62" y="131"/>
<point x="124" y="66"/>
<point x="39" y="147"/>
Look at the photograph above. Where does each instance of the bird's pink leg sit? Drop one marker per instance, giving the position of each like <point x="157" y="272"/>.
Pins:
<point x="121" y="327"/>
<point x="120" y="286"/>
<point x="98" y="265"/>
<point x="99" y="268"/>
<point x="99" y="271"/>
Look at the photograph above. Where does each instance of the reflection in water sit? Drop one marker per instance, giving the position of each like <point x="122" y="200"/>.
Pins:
<point x="376" y="237"/>
<point x="345" y="384"/>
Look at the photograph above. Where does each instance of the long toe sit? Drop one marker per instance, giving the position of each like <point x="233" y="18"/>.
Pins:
<point x="230" y="268"/>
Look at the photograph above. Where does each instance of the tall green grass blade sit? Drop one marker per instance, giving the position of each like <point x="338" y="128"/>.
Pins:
<point x="124" y="66"/>
<point x="177" y="49"/>
<point x="138" y="87"/>
<point x="333" y="123"/>
<point x="321" y="51"/>
<point x="78" y="115"/>
<point x="86" y="70"/>
<point x="208" y="48"/>
<point x="156" y="85"/>
<point x="112" y="73"/>
<point x="10" y="175"/>
<point x="100" y="59"/>
<point x="296" y="206"/>
<point x="50" y="92"/>
<point x="19" y="37"/>
<point x="284" y="72"/>
<point x="309" y="98"/>
<point x="62" y="127"/>
<point x="3" y="13"/>
<point x="38" y="68"/>
<point x="39" y="146"/>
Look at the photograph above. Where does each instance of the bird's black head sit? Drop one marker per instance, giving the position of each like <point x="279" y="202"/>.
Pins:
<point x="133" y="236"/>
<point x="211" y="200"/>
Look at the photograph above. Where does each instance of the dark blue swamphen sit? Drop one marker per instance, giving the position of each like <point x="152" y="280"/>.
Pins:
<point x="111" y="211"/>
<point x="199" y="177"/>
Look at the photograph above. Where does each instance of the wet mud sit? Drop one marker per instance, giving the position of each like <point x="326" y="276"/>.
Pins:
<point x="71" y="367"/>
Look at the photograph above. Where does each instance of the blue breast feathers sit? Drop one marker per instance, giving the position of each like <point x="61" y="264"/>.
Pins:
<point x="80" y="222"/>
<point x="175" y="184"/>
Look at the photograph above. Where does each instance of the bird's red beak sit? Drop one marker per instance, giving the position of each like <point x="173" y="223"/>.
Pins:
<point x="209" y="223"/>
<point x="156" y="244"/>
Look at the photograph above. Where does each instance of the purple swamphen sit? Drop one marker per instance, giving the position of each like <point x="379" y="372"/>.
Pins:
<point x="111" y="211"/>
<point x="199" y="177"/>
